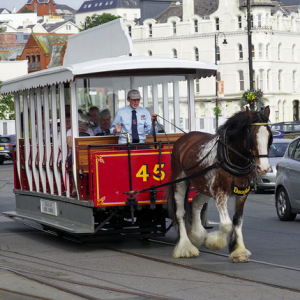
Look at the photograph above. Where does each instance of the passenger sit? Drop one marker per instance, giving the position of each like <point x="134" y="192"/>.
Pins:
<point x="133" y="119"/>
<point x="94" y="115"/>
<point x="105" y="123"/>
<point x="83" y="126"/>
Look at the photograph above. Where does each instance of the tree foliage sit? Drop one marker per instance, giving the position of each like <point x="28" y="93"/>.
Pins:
<point x="25" y="10"/>
<point x="96" y="20"/>
<point x="7" y="108"/>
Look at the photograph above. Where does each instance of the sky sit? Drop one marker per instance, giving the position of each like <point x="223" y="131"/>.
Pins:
<point x="9" y="4"/>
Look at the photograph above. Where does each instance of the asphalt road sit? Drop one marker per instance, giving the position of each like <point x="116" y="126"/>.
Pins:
<point x="120" y="264"/>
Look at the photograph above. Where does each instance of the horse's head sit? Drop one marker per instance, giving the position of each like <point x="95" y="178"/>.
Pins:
<point x="260" y="139"/>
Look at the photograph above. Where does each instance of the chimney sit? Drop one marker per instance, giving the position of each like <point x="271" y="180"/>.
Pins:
<point x="187" y="9"/>
<point x="14" y="10"/>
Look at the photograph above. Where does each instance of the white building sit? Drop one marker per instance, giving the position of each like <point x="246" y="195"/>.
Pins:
<point x="191" y="30"/>
<point x="16" y="20"/>
<point x="127" y="9"/>
<point x="12" y="69"/>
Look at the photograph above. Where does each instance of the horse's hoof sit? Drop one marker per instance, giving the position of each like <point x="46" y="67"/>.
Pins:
<point x="240" y="259"/>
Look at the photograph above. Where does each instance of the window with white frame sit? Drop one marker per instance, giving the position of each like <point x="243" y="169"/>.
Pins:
<point x="196" y="50"/>
<point x="253" y="51"/>
<point x="196" y="25"/>
<point x="129" y="30"/>
<point x="218" y="53"/>
<point x="278" y="22"/>
<point x="241" y="56"/>
<point x="35" y="7"/>
<point x="293" y="52"/>
<point x="239" y="22"/>
<point x="267" y="51"/>
<point x="68" y="27"/>
<point x="174" y="27"/>
<point x="197" y="86"/>
<point x="254" y="79"/>
<point x="150" y="53"/>
<point x="292" y="23"/>
<point x="241" y="80"/>
<point x="174" y="53"/>
<point x="217" y="24"/>
<point x="280" y="80"/>
<point x="261" y="79"/>
<point x="124" y="15"/>
<point x="150" y="30"/>
<point x="259" y="21"/>
<point x="268" y="79"/>
<point x="294" y="81"/>
<point x="260" y="51"/>
<point x="279" y="52"/>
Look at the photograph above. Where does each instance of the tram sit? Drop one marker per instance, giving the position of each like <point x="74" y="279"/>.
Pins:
<point x="108" y="181"/>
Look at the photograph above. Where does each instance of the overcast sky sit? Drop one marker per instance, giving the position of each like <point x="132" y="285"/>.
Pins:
<point x="9" y="4"/>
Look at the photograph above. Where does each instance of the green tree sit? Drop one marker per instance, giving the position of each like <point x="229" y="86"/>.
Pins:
<point x="96" y="20"/>
<point x="25" y="10"/>
<point x="7" y="108"/>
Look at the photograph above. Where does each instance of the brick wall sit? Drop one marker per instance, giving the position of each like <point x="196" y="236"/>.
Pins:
<point x="8" y="40"/>
<point x="42" y="8"/>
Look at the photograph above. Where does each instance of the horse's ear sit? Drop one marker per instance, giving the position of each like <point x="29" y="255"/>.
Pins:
<point x="267" y="111"/>
<point x="248" y="113"/>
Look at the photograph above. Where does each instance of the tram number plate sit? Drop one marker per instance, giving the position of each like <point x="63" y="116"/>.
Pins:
<point x="48" y="207"/>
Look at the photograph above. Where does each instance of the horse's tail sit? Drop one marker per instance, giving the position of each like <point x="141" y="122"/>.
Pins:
<point x="172" y="205"/>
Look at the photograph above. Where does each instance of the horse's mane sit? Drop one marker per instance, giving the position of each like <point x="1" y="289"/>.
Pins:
<point x="237" y="125"/>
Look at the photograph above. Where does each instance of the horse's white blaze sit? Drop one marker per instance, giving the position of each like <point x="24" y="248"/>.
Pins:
<point x="262" y="147"/>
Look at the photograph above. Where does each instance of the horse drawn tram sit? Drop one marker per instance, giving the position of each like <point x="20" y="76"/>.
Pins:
<point x="102" y="176"/>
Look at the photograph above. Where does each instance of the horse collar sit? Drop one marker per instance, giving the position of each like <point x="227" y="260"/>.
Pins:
<point x="228" y="166"/>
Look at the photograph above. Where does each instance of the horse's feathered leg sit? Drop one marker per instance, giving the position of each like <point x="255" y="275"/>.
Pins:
<point x="184" y="247"/>
<point x="237" y="250"/>
<point x="218" y="239"/>
<point x="197" y="232"/>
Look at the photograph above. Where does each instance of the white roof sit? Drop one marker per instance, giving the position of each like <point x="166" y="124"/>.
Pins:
<point x="68" y="73"/>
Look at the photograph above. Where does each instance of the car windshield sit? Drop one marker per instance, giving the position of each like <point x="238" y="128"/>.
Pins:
<point x="278" y="149"/>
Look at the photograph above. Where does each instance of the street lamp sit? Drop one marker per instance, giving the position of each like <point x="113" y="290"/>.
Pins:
<point x="216" y="62"/>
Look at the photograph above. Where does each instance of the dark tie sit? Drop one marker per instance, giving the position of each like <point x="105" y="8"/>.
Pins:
<point x="135" y="135"/>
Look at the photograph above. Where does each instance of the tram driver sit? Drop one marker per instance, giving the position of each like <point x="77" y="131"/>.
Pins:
<point x="133" y="119"/>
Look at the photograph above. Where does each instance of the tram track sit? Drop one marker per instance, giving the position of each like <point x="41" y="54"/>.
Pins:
<point x="199" y="269"/>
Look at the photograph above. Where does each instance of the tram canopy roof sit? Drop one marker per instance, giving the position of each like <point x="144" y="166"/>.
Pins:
<point x="131" y="65"/>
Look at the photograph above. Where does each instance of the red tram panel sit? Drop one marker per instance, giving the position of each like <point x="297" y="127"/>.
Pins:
<point x="111" y="175"/>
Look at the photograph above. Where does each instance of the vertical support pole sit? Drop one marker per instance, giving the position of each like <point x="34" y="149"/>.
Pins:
<point x="216" y="63"/>
<point x="176" y="104"/>
<point x="155" y="97"/>
<point x="249" y="31"/>
<point x="18" y="134"/>
<point x="145" y="95"/>
<point x="27" y="133"/>
<point x="40" y="137"/>
<point x="191" y="103"/>
<point x="75" y="131"/>
<point x="63" y="136"/>
<point x="55" y="140"/>
<point x="48" y="146"/>
<point x="34" y="145"/>
<point x="166" y="107"/>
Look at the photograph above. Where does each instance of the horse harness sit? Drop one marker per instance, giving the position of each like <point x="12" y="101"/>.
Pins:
<point x="224" y="162"/>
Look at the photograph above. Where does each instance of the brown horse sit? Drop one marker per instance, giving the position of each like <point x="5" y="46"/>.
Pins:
<point x="240" y="145"/>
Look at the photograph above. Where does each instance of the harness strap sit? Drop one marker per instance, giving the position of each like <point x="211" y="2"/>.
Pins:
<point x="233" y="150"/>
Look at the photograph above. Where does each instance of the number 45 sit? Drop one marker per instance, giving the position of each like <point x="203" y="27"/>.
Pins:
<point x="143" y="173"/>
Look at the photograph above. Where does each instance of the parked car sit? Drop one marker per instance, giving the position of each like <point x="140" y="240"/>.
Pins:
<point x="286" y="127"/>
<point x="7" y="142"/>
<point x="267" y="181"/>
<point x="287" y="196"/>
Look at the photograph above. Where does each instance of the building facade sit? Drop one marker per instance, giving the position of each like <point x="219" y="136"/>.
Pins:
<point x="41" y="7"/>
<point x="196" y="29"/>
